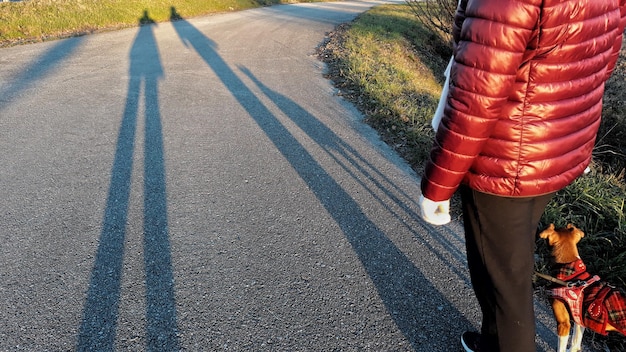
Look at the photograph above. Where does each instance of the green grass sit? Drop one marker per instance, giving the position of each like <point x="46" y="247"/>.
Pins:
<point x="37" y="20"/>
<point x="595" y="204"/>
<point x="391" y="66"/>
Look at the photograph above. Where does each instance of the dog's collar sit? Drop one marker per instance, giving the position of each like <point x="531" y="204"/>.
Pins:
<point x="575" y="270"/>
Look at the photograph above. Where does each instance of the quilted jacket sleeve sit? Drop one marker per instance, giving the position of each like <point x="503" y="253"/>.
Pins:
<point x="525" y="95"/>
<point x="491" y="37"/>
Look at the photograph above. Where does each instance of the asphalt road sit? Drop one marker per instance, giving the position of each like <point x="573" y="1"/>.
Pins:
<point x="200" y="186"/>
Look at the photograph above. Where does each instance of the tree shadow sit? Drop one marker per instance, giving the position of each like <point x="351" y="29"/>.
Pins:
<point x="400" y="284"/>
<point x="100" y="315"/>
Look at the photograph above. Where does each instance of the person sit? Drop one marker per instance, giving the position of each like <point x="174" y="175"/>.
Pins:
<point x="519" y="123"/>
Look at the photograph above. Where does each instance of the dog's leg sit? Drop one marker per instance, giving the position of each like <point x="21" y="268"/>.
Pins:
<point x="577" y="338"/>
<point x="561" y="315"/>
<point x="563" y="343"/>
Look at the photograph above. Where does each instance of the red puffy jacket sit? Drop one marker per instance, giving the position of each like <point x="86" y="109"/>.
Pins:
<point x="525" y="95"/>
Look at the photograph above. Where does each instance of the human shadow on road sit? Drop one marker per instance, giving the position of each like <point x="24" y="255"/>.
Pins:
<point x="411" y="300"/>
<point x="333" y="144"/>
<point x="100" y="316"/>
<point x="38" y="69"/>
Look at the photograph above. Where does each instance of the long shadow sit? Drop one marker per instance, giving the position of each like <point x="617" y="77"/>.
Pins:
<point x="38" y="69"/>
<point x="333" y="145"/>
<point x="399" y="283"/>
<point x="328" y="140"/>
<point x="100" y="315"/>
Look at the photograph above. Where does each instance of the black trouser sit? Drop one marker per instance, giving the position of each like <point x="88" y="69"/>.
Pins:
<point x="500" y="238"/>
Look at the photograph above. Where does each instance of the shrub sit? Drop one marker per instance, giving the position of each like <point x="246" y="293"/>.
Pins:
<point x="436" y="15"/>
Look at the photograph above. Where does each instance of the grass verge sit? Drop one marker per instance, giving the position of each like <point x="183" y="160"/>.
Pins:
<point x="390" y="66"/>
<point x="38" y="20"/>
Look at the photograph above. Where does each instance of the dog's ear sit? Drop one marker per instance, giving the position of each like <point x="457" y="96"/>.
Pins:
<point x="578" y="233"/>
<point x="547" y="234"/>
<point x="575" y="231"/>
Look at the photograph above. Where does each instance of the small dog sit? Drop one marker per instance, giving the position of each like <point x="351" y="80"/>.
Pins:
<point x="590" y="302"/>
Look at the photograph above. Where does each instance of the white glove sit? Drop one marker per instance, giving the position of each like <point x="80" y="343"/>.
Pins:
<point x="436" y="213"/>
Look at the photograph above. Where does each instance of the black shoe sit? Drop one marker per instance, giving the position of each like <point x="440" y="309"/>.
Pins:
<point x="470" y="341"/>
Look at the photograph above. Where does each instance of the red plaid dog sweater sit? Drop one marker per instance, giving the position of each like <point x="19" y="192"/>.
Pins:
<point x="592" y="303"/>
